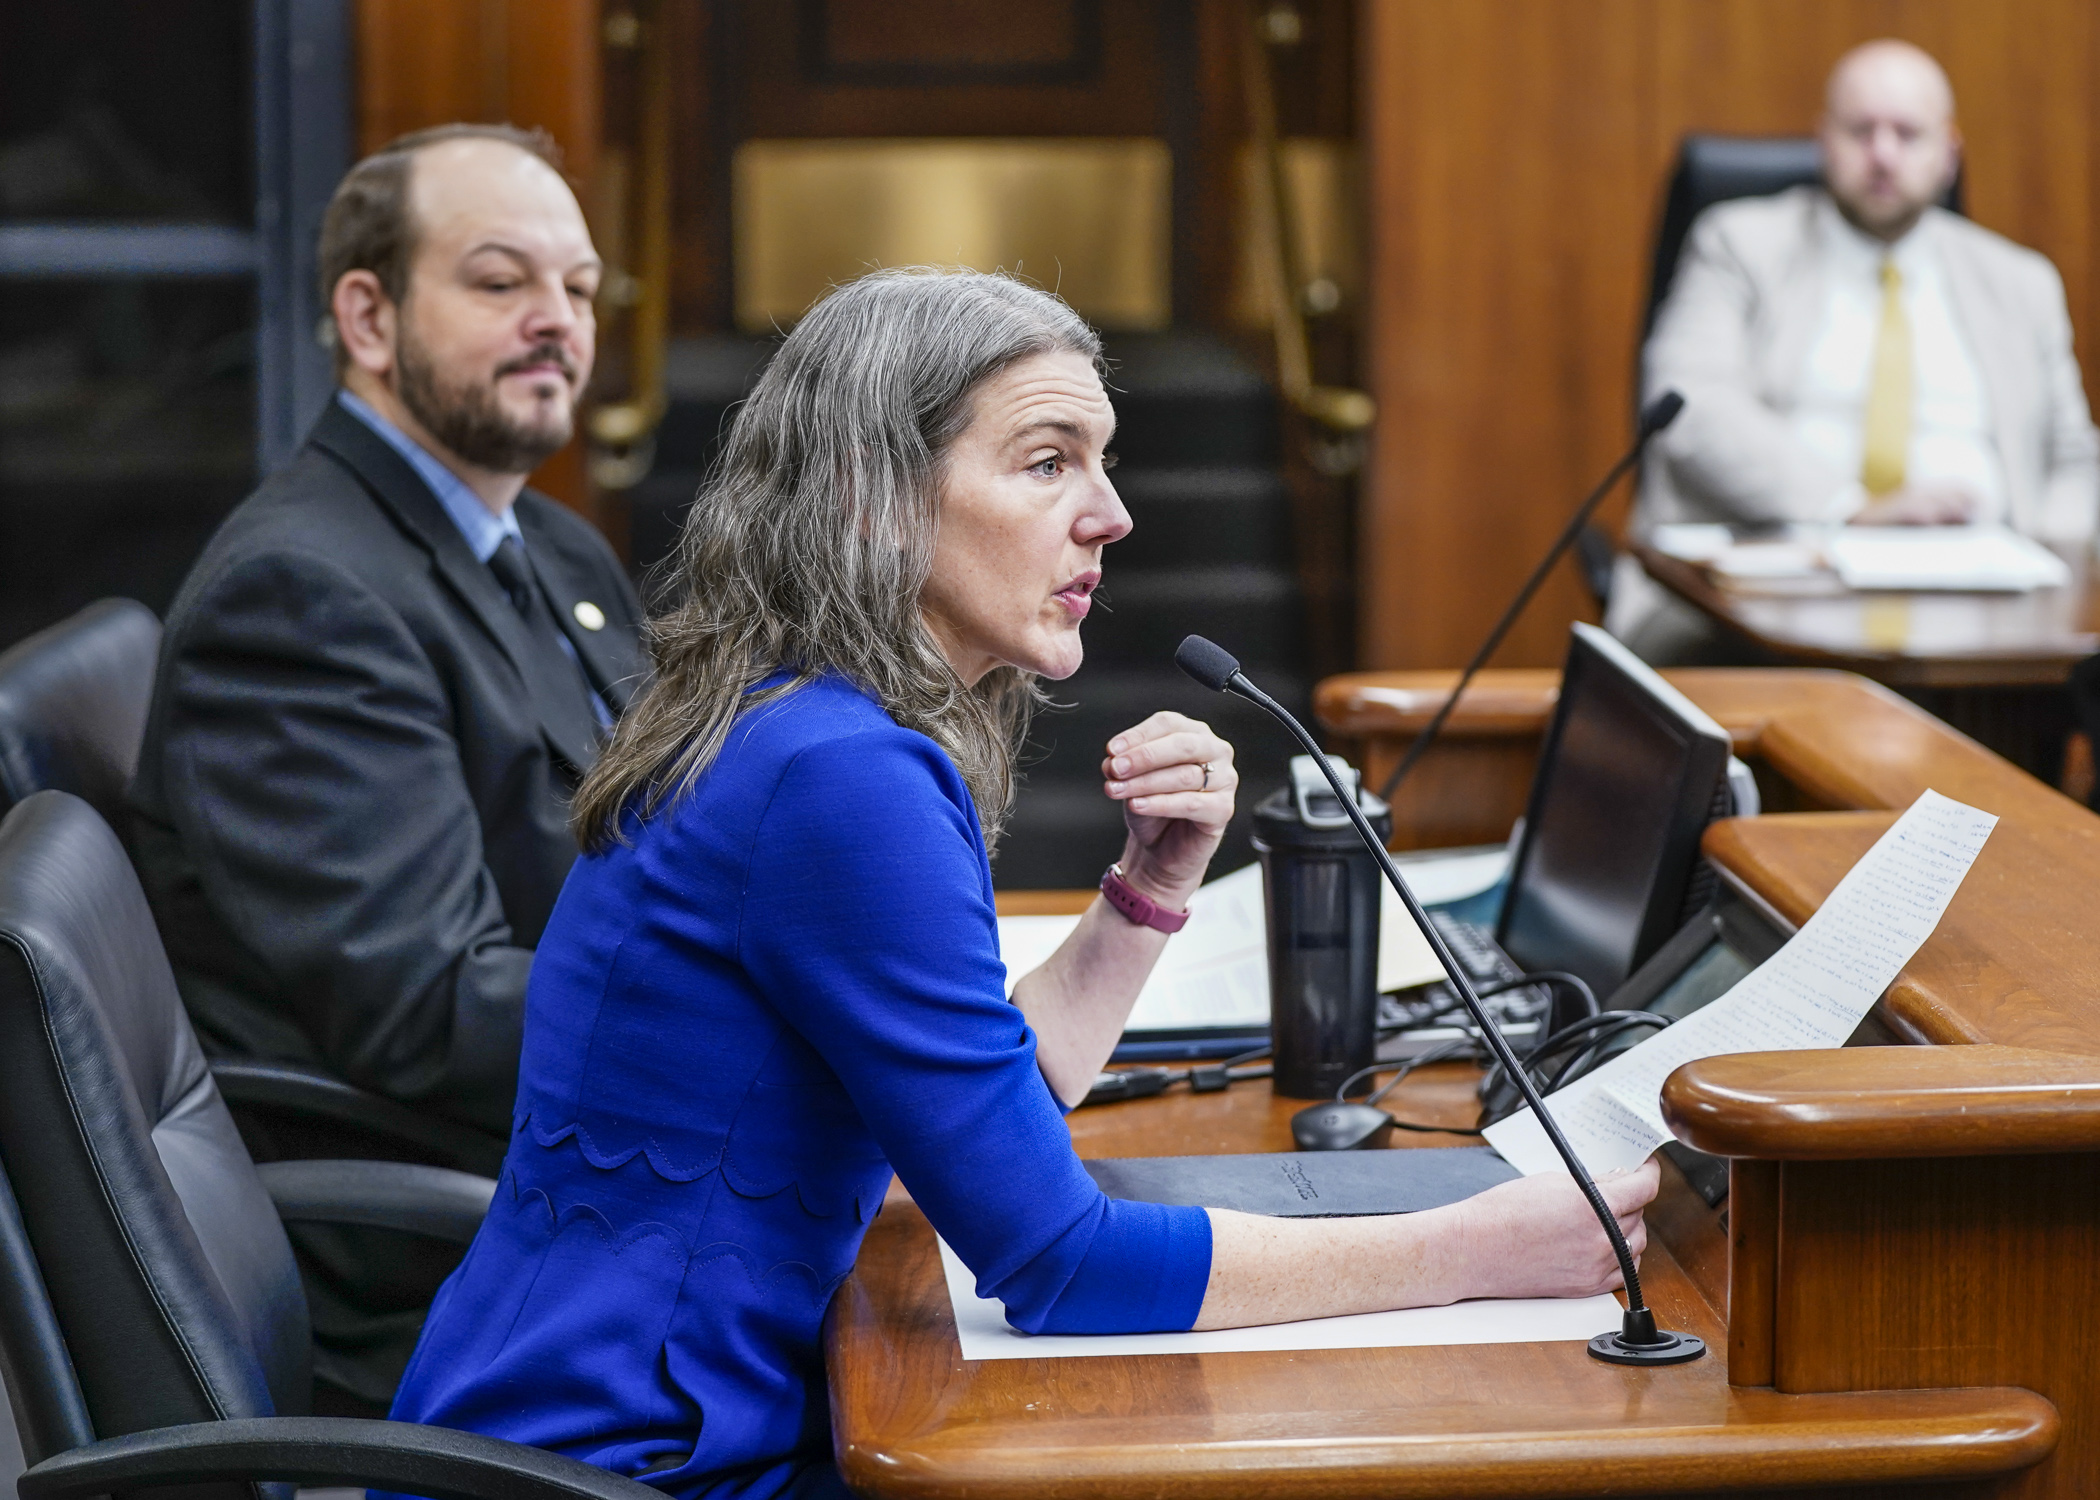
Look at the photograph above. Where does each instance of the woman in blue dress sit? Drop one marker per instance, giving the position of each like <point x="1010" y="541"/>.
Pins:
<point x="773" y="978"/>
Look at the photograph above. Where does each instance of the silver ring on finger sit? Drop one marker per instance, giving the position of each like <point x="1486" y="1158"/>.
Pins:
<point x="1206" y="778"/>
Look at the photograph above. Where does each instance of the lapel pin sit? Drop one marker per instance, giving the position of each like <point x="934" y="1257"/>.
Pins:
<point x="589" y="615"/>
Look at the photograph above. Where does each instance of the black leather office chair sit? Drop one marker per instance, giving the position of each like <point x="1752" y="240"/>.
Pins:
<point x="150" y="1314"/>
<point x="73" y="703"/>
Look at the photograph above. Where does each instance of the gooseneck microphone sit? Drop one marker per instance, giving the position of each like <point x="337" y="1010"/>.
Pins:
<point x="1655" y="416"/>
<point x="1638" y="1341"/>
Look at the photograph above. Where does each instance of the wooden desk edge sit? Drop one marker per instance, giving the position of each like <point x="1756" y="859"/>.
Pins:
<point x="1861" y="1103"/>
<point x="2039" y="666"/>
<point x="1862" y="1437"/>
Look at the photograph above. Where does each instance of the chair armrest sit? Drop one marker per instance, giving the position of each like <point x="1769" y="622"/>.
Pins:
<point x="405" y="1456"/>
<point x="295" y="1090"/>
<point x="434" y="1201"/>
<point x="1858" y="1103"/>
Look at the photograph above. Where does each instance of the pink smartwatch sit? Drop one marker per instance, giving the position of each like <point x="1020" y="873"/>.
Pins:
<point x="1138" y="908"/>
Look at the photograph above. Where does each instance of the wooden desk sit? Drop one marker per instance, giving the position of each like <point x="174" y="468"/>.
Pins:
<point x="1906" y="640"/>
<point x="1879" y="1318"/>
<point x="1817" y="740"/>
<point x="1992" y="665"/>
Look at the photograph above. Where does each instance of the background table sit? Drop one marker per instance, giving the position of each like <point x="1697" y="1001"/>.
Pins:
<point x="1991" y="665"/>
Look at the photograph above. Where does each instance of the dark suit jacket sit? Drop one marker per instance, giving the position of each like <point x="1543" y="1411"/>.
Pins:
<point x="349" y="815"/>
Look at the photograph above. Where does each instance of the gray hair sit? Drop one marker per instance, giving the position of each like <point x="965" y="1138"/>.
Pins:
<point x="811" y="541"/>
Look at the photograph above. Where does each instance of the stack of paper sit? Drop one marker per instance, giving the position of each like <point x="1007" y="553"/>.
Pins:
<point x="1811" y="993"/>
<point x="1964" y="558"/>
<point x="1793" y="553"/>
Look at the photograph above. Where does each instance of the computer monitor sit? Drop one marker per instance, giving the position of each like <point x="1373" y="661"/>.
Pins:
<point x="1630" y="774"/>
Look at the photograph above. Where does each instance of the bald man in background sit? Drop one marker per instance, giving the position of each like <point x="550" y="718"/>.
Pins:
<point x="1853" y="354"/>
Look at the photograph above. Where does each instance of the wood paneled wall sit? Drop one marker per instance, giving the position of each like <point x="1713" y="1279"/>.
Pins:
<point x="528" y="62"/>
<point x="1516" y="155"/>
<point x="523" y="62"/>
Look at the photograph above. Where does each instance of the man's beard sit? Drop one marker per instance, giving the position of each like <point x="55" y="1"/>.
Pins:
<point x="469" y="420"/>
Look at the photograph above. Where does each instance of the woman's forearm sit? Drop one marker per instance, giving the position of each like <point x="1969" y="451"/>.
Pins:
<point x="1265" y="1270"/>
<point x="1079" y="999"/>
<point x="1534" y="1237"/>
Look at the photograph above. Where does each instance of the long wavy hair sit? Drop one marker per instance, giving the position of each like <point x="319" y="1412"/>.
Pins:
<point x="811" y="540"/>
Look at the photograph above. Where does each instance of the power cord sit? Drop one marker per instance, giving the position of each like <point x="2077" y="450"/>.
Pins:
<point x="1584" y="1041"/>
<point x="1203" y="1078"/>
<point x="1445" y="1052"/>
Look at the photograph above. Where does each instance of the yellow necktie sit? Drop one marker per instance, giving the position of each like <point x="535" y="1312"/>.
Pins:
<point x="1887" y="449"/>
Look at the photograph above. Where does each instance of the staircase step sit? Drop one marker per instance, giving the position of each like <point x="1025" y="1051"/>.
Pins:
<point x="1190" y="517"/>
<point x="1058" y="818"/>
<point x="1096" y="703"/>
<point x="703" y="379"/>
<point x="1186" y="399"/>
<point x="1063" y="838"/>
<point x="1255" y="613"/>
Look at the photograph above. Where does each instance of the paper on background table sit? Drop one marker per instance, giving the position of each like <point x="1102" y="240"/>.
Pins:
<point x="1215" y="971"/>
<point x="1793" y="552"/>
<point x="982" y="1329"/>
<point x="1987" y="558"/>
<point x="1812" y="993"/>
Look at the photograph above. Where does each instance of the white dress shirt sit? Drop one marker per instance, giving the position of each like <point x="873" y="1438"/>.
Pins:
<point x="1951" y="436"/>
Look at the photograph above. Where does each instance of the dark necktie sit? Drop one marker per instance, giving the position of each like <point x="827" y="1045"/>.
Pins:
<point x="559" y="689"/>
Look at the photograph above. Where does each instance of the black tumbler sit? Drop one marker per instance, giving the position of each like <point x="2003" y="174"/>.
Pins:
<point x="1321" y="888"/>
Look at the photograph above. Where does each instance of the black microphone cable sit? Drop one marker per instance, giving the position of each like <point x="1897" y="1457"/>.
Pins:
<point x="1639" y="1340"/>
<point x="1403" y="1066"/>
<point x="1655" y="416"/>
<point x="1584" y="1041"/>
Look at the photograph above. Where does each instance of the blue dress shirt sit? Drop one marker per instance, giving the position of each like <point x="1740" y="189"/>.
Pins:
<point x="483" y="529"/>
<point x="782" y="985"/>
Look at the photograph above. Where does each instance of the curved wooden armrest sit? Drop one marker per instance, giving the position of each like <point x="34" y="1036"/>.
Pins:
<point x="1854" y="1103"/>
<point x="1499" y="702"/>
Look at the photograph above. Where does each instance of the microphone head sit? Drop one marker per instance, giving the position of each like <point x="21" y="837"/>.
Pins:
<point x="1210" y="664"/>
<point x="1660" y="413"/>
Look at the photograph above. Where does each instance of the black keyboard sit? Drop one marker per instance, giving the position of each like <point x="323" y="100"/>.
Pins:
<point x="1435" y="1005"/>
<point x="1474" y="948"/>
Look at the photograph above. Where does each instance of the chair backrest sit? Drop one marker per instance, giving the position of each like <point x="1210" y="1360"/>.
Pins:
<point x="1715" y="168"/>
<point x="73" y="703"/>
<point x="164" y="1261"/>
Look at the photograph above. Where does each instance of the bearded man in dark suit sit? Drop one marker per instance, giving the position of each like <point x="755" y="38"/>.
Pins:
<point x="388" y="670"/>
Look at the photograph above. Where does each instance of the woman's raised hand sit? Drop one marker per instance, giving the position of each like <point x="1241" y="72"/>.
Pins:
<point x="1176" y="780"/>
<point x="1536" y="1236"/>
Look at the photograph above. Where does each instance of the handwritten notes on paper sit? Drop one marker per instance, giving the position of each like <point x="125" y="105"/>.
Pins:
<point x="1811" y="993"/>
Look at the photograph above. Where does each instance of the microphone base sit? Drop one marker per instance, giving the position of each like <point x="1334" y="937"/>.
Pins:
<point x="1669" y="1349"/>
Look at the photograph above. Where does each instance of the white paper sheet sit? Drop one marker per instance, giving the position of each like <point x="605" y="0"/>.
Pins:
<point x="1811" y="993"/>
<point x="981" y="1326"/>
<point x="1437" y="878"/>
<point x="1943" y="557"/>
<point x="1215" y="971"/>
<point x="1794" y="552"/>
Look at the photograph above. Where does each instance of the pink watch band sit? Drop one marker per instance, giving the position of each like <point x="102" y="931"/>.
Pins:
<point x="1137" y="908"/>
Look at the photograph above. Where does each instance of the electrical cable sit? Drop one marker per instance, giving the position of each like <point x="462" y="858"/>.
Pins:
<point x="1500" y="1097"/>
